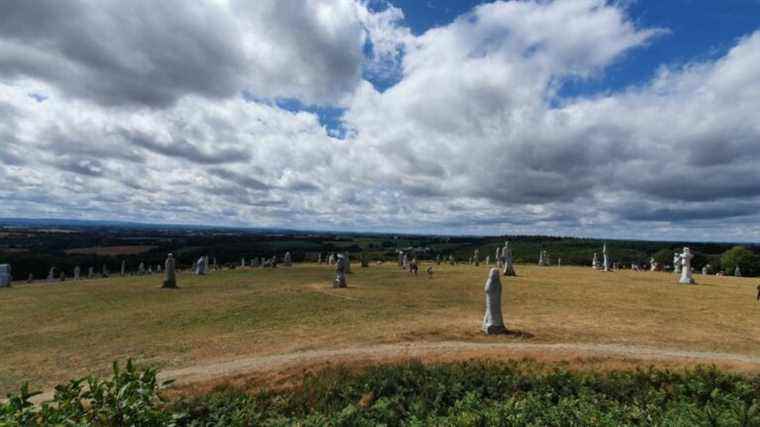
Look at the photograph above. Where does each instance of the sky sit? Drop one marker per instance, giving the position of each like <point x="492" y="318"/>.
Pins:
<point x="611" y="119"/>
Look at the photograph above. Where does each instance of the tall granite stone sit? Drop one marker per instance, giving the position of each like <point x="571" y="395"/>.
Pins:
<point x="606" y="259"/>
<point x="493" y="323"/>
<point x="506" y="260"/>
<point x="685" y="260"/>
<point x="340" y="273"/>
<point x="5" y="275"/>
<point x="170" y="275"/>
<point x="77" y="272"/>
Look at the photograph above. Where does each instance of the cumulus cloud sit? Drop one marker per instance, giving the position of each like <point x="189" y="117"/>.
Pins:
<point x="138" y="114"/>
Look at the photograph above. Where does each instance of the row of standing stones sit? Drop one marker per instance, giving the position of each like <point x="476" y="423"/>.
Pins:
<point x="493" y="322"/>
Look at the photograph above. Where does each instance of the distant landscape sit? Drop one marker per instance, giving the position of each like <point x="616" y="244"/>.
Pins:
<point x="33" y="247"/>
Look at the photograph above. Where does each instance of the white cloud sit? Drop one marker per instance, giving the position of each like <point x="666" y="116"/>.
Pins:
<point x="474" y="137"/>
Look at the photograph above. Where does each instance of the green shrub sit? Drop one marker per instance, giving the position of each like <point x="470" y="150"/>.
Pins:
<point x="411" y="394"/>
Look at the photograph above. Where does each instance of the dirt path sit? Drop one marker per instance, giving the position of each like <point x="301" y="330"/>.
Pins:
<point x="216" y="370"/>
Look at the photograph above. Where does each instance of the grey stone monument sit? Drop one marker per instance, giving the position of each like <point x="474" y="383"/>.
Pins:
<point x="498" y="257"/>
<point x="606" y="259"/>
<point x="340" y="273"/>
<point x="170" y="276"/>
<point x="77" y="272"/>
<point x="595" y="262"/>
<point x="506" y="257"/>
<point x="652" y="264"/>
<point x="51" y="274"/>
<point x="686" y="258"/>
<point x="5" y="275"/>
<point x="287" y="260"/>
<point x="677" y="263"/>
<point x="91" y="272"/>
<point x="493" y="323"/>
<point x="737" y="272"/>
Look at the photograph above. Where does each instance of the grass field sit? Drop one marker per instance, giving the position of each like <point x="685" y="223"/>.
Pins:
<point x="52" y="332"/>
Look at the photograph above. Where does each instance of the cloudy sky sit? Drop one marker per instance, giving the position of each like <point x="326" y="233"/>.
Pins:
<point x="636" y="119"/>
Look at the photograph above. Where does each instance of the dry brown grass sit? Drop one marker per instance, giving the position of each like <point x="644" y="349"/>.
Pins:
<point x="49" y="333"/>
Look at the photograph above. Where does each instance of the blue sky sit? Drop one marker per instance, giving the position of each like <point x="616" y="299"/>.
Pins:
<point x="634" y="119"/>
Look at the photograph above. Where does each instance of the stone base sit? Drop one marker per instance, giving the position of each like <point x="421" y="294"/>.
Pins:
<point x="495" y="330"/>
<point x="169" y="285"/>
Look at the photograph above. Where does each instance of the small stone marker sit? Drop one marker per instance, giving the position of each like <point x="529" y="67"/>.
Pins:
<point x="77" y="272"/>
<point x="340" y="273"/>
<point x="287" y="260"/>
<point x="170" y="276"/>
<point x="30" y="279"/>
<point x="5" y="275"/>
<point x="91" y="273"/>
<point x="595" y="262"/>
<point x="737" y="272"/>
<point x="493" y="323"/>
<point x="51" y="274"/>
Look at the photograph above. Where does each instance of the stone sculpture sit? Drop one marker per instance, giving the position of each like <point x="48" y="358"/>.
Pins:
<point x="493" y="323"/>
<point x="141" y="269"/>
<point x="77" y="272"/>
<point x="677" y="263"/>
<point x="91" y="272"/>
<point x="506" y="260"/>
<point x="5" y="275"/>
<point x="498" y="257"/>
<point x="287" y="260"/>
<point x="737" y="272"/>
<point x="652" y="264"/>
<point x="595" y="262"/>
<point x="51" y="274"/>
<point x="685" y="259"/>
<point x="340" y="272"/>
<point x="170" y="275"/>
<point x="605" y="258"/>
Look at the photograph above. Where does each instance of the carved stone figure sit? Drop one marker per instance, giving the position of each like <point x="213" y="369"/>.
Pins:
<point x="652" y="264"/>
<point x="506" y="260"/>
<point x="685" y="260"/>
<point x="340" y="272"/>
<point x="493" y="323"/>
<point x="5" y="275"/>
<point x="170" y="276"/>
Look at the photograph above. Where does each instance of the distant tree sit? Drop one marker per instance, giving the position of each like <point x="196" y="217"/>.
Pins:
<point x="664" y="257"/>
<point x="748" y="262"/>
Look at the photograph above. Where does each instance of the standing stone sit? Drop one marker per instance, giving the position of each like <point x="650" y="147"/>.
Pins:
<point x="30" y="279"/>
<point x="331" y="259"/>
<point x="704" y="270"/>
<point x="430" y="272"/>
<point x="498" y="257"/>
<point x="559" y="262"/>
<point x="438" y="259"/>
<point x="201" y="266"/>
<point x="91" y="272"/>
<point x="470" y="261"/>
<point x="677" y="263"/>
<point x="365" y="261"/>
<point x="506" y="260"/>
<point x="405" y="261"/>
<point x="170" y="275"/>
<point x="493" y="323"/>
<point x="737" y="272"/>
<point x="595" y="262"/>
<point x="452" y="261"/>
<point x="340" y="273"/>
<point x="141" y="269"/>
<point x="242" y="262"/>
<point x="104" y="271"/>
<point x="150" y="269"/>
<point x="541" y="257"/>
<point x="476" y="257"/>
<point x="287" y="260"/>
<point x="158" y="269"/>
<point x="488" y="259"/>
<point x="652" y="264"/>
<point x="51" y="274"/>
<point x="5" y="275"/>
<point x="77" y="272"/>
<point x="685" y="259"/>
<point x="319" y="258"/>
<point x="606" y="264"/>
<point x="401" y="259"/>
